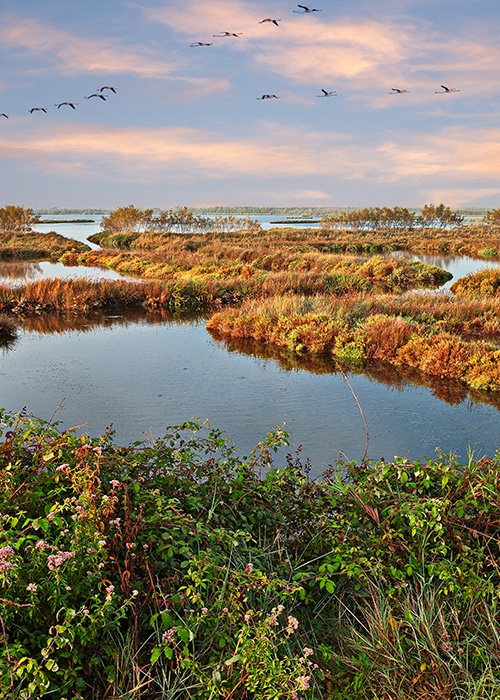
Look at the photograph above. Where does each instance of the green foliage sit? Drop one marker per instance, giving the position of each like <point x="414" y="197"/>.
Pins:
<point x="182" y="570"/>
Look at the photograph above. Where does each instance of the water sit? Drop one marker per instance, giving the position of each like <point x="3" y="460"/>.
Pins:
<point x="144" y="374"/>
<point x="14" y="273"/>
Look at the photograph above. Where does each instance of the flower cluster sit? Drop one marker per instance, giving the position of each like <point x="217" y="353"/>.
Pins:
<point x="5" y="554"/>
<point x="54" y="561"/>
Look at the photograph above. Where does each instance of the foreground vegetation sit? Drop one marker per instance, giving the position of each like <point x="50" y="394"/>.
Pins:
<point x="180" y="570"/>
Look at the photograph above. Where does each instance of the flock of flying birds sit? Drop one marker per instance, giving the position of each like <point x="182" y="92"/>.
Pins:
<point x="101" y="94"/>
<point x="304" y="10"/>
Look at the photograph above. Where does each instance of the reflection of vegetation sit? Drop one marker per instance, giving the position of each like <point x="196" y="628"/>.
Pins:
<point x="18" y="270"/>
<point x="396" y="376"/>
<point x="435" y="335"/>
<point x="8" y="331"/>
<point x="181" y="570"/>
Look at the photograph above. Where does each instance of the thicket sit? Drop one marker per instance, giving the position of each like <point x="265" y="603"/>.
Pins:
<point x="181" y="570"/>
<point x="17" y="218"/>
<point x="130" y="219"/>
<point x="429" y="216"/>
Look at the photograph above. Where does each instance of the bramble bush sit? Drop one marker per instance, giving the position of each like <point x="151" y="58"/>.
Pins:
<point x="178" y="569"/>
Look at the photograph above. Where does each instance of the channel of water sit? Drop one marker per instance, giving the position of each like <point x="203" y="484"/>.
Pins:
<point x="143" y="374"/>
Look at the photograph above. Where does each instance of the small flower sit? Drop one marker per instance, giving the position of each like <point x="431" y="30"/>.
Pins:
<point x="115" y="483"/>
<point x="54" y="561"/>
<point x="5" y="565"/>
<point x="110" y="589"/>
<point x="6" y="552"/>
<point x="204" y="611"/>
<point x="168" y="636"/>
<point x="90" y="550"/>
<point x="293" y="624"/>
<point x="303" y="682"/>
<point x="32" y="588"/>
<point x="116" y="521"/>
<point x="248" y="616"/>
<point x="102" y="543"/>
<point x="446" y="647"/>
<point x="85" y="612"/>
<point x="249" y="567"/>
<point x="307" y="651"/>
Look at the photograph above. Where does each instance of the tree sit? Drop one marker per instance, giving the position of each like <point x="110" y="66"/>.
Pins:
<point x="492" y="217"/>
<point x="432" y="216"/>
<point x="16" y="218"/>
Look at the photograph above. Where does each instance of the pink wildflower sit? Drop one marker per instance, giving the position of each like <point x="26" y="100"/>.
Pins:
<point x="54" y="561"/>
<point x="32" y="588"/>
<point x="303" y="682"/>
<point x="293" y="624"/>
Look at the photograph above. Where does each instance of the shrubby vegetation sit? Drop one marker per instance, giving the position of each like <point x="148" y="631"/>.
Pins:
<point x="130" y="219"/>
<point x="17" y="219"/>
<point x="181" y="570"/>
<point x="430" y="216"/>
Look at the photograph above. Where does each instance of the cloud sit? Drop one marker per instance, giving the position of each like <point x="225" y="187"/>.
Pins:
<point x="359" y="54"/>
<point x="454" y="156"/>
<point x="73" y="54"/>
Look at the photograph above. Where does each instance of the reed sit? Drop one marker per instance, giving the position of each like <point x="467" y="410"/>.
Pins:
<point x="431" y="334"/>
<point x="24" y="245"/>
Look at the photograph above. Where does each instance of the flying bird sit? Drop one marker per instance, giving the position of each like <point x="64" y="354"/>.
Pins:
<point x="306" y="10"/>
<point x="274" y="21"/>
<point x="4" y="115"/>
<point x="227" y="34"/>
<point x="70" y="104"/>
<point x="397" y="91"/>
<point x="268" y="97"/>
<point x="96" y="94"/>
<point x="200" y="43"/>
<point x="327" y="94"/>
<point x="107" y="87"/>
<point x="445" y="89"/>
<point x="38" y="109"/>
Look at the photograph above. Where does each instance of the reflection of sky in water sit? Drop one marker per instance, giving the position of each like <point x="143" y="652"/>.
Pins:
<point x="142" y="377"/>
<point x="20" y="273"/>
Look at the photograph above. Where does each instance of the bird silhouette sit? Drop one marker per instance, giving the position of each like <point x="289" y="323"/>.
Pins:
<point x="397" y="91"/>
<point x="227" y="34"/>
<point x="273" y="21"/>
<point x="70" y="104"/>
<point x="96" y="94"/>
<point x="107" y="87"/>
<point x="38" y="109"/>
<point x="268" y="97"/>
<point x="200" y="43"/>
<point x="306" y="10"/>
<point x="327" y="94"/>
<point x="4" y="115"/>
<point x="445" y="90"/>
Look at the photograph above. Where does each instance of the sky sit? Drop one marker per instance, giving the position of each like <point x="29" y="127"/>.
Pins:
<point x="185" y="125"/>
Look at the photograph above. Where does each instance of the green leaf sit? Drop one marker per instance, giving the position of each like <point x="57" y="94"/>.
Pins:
<point x="155" y="654"/>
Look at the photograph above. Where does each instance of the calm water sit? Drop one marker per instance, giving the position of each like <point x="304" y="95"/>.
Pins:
<point x="143" y="375"/>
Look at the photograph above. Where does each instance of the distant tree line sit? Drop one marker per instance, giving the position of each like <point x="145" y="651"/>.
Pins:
<point x="179" y="220"/>
<point x="429" y="216"/>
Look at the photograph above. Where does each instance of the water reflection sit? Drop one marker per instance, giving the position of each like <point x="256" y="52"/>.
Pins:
<point x="398" y="377"/>
<point x="16" y="272"/>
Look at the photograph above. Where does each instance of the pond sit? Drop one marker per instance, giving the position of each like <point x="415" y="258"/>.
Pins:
<point x="143" y="374"/>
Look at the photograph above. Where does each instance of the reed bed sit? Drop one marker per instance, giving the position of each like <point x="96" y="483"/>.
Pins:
<point x="30" y="245"/>
<point x="437" y="335"/>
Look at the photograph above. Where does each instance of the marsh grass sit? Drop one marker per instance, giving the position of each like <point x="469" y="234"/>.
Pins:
<point x="437" y="334"/>
<point x="30" y="245"/>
